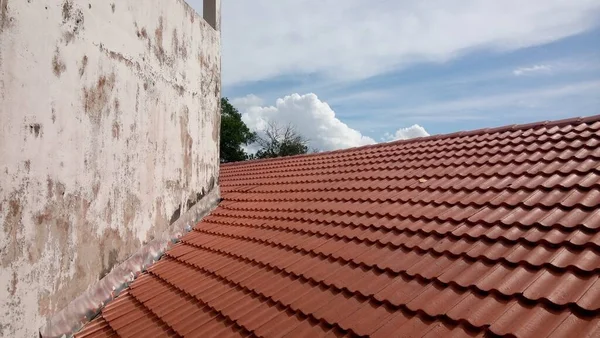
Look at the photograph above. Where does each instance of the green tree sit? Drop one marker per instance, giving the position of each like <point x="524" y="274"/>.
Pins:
<point x="234" y="134"/>
<point x="280" y="141"/>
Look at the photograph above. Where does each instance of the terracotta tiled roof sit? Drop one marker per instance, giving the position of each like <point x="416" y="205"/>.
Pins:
<point x="490" y="232"/>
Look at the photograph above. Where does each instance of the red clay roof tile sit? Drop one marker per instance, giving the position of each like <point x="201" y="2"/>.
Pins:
<point x="488" y="232"/>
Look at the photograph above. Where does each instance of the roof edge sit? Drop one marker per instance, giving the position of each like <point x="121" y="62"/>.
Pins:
<point x="481" y="131"/>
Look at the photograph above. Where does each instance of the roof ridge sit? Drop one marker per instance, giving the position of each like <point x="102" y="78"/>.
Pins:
<point x="480" y="131"/>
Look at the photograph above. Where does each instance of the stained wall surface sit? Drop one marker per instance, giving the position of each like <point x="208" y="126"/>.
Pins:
<point x="109" y="115"/>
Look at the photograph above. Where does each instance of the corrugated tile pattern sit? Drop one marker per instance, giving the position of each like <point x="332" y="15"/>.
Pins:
<point x="483" y="233"/>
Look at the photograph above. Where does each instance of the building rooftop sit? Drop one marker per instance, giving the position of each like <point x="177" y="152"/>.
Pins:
<point x="488" y="232"/>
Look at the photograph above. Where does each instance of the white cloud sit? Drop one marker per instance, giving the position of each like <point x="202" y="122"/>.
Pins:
<point x="243" y="103"/>
<point x="312" y="118"/>
<point x="406" y="133"/>
<point x="532" y="69"/>
<point x="527" y="98"/>
<point x="471" y="108"/>
<point x="355" y="39"/>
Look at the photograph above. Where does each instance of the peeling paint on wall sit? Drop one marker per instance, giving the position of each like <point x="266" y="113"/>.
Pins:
<point x="86" y="306"/>
<point x="111" y="132"/>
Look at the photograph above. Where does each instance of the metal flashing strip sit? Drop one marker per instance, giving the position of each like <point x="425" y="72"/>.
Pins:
<point x="87" y="306"/>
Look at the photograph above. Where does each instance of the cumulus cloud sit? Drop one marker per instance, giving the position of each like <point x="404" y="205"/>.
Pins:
<point x="243" y="103"/>
<point x="356" y="39"/>
<point x="532" y="69"/>
<point x="312" y="118"/>
<point x="406" y="133"/>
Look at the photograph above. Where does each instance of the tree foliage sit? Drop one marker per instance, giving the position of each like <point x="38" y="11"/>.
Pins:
<point x="234" y="134"/>
<point x="280" y="141"/>
<point x="275" y="141"/>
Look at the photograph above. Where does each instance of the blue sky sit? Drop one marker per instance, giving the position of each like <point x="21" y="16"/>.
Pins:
<point x="380" y="66"/>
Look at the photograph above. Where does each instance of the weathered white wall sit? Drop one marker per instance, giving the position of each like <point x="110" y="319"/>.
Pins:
<point x="110" y="122"/>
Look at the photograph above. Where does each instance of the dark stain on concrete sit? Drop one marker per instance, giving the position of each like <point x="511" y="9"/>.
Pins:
<point x="186" y="146"/>
<point x="107" y="266"/>
<point x="78" y="21"/>
<point x="130" y="209"/>
<point x="211" y="183"/>
<point x="137" y="98"/>
<point x="73" y="18"/>
<point x="13" y="284"/>
<point x="183" y="52"/>
<point x="112" y="7"/>
<point x="160" y="220"/>
<point x="13" y="228"/>
<point x="108" y="212"/>
<point x="194" y="199"/>
<point x="49" y="187"/>
<point x="180" y="89"/>
<point x="96" y="189"/>
<point x="35" y="129"/>
<point x="203" y="60"/>
<point x="27" y="168"/>
<point x="60" y="189"/>
<point x="216" y="127"/>
<point x="179" y="48"/>
<point x="53" y="115"/>
<point x="97" y="97"/>
<point x="121" y="58"/>
<point x="68" y="36"/>
<point x="58" y="66"/>
<point x="116" y="130"/>
<point x="4" y="18"/>
<point x="143" y="35"/>
<point x="172" y="185"/>
<point x="175" y="41"/>
<point x="84" y="62"/>
<point x="66" y="10"/>
<point x="159" y="50"/>
<point x="175" y="215"/>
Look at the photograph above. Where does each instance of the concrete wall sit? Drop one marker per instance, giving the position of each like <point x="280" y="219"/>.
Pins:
<point x="110" y="123"/>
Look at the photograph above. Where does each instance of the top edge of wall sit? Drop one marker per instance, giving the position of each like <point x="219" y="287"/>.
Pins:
<point x="211" y="12"/>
